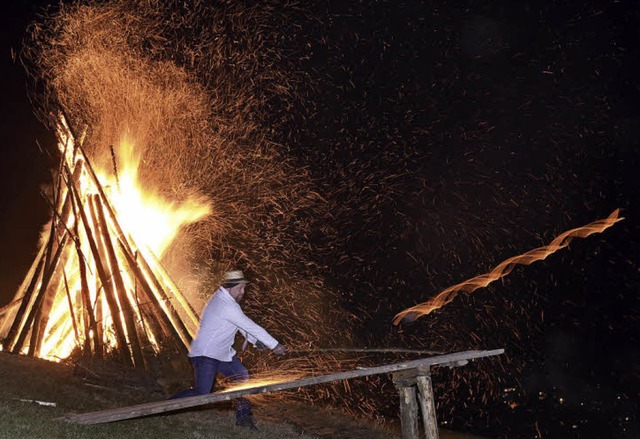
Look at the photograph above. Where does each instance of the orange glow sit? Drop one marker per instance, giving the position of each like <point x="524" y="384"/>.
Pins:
<point x="538" y="254"/>
<point x="265" y="379"/>
<point x="252" y="384"/>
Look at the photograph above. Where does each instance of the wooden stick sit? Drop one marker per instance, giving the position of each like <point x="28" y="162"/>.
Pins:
<point x="137" y="411"/>
<point x="107" y="283"/>
<point x="175" y="325"/>
<point x="368" y="350"/>
<point x="89" y="318"/>
<point x="51" y="289"/>
<point x="18" y="323"/>
<point x="35" y="306"/>
<point x="187" y="309"/>
<point x="71" y="311"/>
<point x="23" y="288"/>
<point x="121" y="236"/>
<point x="19" y="326"/>
<point x="157" y="316"/>
<point x="120" y="289"/>
<point x="166" y="305"/>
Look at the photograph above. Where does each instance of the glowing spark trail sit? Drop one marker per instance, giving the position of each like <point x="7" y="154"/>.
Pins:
<point x="538" y="254"/>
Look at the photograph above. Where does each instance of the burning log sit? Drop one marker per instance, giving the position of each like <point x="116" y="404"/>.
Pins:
<point x="70" y="301"/>
<point x="35" y="307"/>
<point x="100" y="259"/>
<point x="51" y="292"/>
<point x="162" y="322"/>
<point x="119" y="287"/>
<point x="34" y="276"/>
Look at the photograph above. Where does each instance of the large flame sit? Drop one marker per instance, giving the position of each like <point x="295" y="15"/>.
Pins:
<point x="538" y="254"/>
<point x="150" y="219"/>
<point x="150" y="223"/>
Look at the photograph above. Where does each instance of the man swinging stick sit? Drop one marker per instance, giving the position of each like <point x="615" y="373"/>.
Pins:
<point x="212" y="350"/>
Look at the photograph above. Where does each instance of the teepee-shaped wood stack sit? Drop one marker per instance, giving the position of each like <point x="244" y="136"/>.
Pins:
<point x="91" y="287"/>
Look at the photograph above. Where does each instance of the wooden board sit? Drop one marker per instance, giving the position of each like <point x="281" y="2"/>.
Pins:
<point x="152" y="408"/>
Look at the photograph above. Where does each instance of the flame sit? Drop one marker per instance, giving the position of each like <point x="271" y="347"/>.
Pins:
<point x="151" y="223"/>
<point x="538" y="254"/>
<point x="149" y="218"/>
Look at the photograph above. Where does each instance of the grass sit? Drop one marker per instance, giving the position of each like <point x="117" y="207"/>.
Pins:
<point x="31" y="379"/>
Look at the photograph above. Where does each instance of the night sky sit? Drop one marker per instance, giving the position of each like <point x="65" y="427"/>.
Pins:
<point x="452" y="135"/>
<point x="24" y="168"/>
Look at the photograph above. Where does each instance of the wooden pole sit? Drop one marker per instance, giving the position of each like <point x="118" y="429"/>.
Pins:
<point x="167" y="313"/>
<point x="23" y="293"/>
<point x="187" y="309"/>
<point x="194" y="401"/>
<point x="157" y="316"/>
<point x="37" y="303"/>
<point x="71" y="311"/>
<point x="165" y="303"/>
<point x="16" y="332"/>
<point x="186" y="334"/>
<point x="107" y="282"/>
<point x="408" y="410"/>
<point x="120" y="289"/>
<point x="52" y="290"/>
<point x="98" y="309"/>
<point x="427" y="405"/>
<point x="368" y="351"/>
<point x="18" y="324"/>
<point x="88" y="314"/>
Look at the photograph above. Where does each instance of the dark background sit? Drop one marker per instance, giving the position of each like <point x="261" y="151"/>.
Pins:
<point x="459" y="135"/>
<point x="24" y="166"/>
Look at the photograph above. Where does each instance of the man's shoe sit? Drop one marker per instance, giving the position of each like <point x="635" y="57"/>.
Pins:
<point x="247" y="422"/>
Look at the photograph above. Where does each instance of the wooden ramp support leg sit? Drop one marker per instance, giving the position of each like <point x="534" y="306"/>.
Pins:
<point x="414" y="386"/>
<point x="405" y="382"/>
<point x="427" y="404"/>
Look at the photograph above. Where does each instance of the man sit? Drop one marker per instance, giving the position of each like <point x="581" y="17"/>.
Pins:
<point x="211" y="351"/>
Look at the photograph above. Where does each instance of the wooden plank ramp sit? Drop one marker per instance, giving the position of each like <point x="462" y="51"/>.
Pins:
<point x="152" y="408"/>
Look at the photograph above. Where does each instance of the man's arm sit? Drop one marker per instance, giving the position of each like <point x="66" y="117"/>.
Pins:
<point x="254" y="331"/>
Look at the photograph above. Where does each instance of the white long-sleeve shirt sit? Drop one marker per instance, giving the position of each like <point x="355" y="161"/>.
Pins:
<point x="221" y="319"/>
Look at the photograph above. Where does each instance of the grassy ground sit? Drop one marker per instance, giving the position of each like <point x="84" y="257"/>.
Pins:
<point x="28" y="387"/>
<point x="24" y="381"/>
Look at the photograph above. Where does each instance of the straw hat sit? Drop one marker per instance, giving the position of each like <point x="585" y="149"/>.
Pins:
<point x="234" y="277"/>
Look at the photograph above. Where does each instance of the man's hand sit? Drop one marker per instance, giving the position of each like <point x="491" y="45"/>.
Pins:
<point x="261" y="346"/>
<point x="279" y="350"/>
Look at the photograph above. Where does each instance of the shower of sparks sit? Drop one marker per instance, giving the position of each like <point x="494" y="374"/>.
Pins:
<point x="504" y="268"/>
<point x="191" y="86"/>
